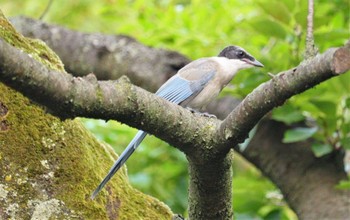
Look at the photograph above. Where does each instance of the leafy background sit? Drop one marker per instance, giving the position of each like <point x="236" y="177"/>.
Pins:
<point x="272" y="30"/>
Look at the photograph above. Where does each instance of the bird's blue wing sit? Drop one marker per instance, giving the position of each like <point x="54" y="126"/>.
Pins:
<point x="176" y="90"/>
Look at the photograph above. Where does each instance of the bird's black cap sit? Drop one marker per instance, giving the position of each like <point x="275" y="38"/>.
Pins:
<point x="236" y="52"/>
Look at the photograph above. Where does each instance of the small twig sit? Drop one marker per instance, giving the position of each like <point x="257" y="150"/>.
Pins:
<point x="46" y="10"/>
<point x="310" y="20"/>
<point x="311" y="49"/>
<point x="270" y="74"/>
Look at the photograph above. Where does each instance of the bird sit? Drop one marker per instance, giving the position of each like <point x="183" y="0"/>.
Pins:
<point x="194" y="86"/>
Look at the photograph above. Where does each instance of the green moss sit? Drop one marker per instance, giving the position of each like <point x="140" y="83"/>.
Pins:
<point x="54" y="164"/>
<point x="36" y="48"/>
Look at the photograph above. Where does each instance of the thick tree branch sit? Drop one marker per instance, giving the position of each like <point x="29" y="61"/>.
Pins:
<point x="68" y="97"/>
<point x="33" y="28"/>
<point x="107" y="56"/>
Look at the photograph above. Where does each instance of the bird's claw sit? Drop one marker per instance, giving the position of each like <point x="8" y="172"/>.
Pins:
<point x="206" y="114"/>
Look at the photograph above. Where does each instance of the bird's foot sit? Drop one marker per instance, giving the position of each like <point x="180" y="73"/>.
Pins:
<point x="205" y="114"/>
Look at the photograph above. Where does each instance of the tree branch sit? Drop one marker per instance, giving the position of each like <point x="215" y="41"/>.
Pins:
<point x="69" y="96"/>
<point x="310" y="20"/>
<point x="307" y="182"/>
<point x="311" y="50"/>
<point x="44" y="31"/>
<point x="107" y="56"/>
<point x="276" y="91"/>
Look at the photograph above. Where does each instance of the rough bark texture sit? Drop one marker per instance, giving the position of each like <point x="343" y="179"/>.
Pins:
<point x="295" y="196"/>
<point x="68" y="97"/>
<point x="210" y="189"/>
<point x="307" y="183"/>
<point x="107" y="56"/>
<point x="49" y="167"/>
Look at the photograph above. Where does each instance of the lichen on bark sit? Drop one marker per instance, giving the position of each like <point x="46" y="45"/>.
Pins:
<point x="49" y="167"/>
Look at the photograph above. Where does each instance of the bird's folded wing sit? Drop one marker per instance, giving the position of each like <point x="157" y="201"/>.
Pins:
<point x="178" y="89"/>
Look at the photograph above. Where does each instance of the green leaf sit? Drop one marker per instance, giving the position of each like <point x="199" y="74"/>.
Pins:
<point x="343" y="184"/>
<point x="327" y="107"/>
<point x="298" y="134"/>
<point x="345" y="143"/>
<point x="347" y="102"/>
<point x="321" y="149"/>
<point x="301" y="13"/>
<point x="324" y="36"/>
<point x="266" y="210"/>
<point x="287" y="114"/>
<point x="278" y="10"/>
<point x="239" y="216"/>
<point x="327" y="115"/>
<point x="269" y="27"/>
<point x="274" y="215"/>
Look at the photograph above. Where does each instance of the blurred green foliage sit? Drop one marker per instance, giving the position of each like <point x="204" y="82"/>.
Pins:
<point x="272" y="30"/>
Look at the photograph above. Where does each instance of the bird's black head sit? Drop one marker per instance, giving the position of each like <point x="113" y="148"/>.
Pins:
<point x="235" y="52"/>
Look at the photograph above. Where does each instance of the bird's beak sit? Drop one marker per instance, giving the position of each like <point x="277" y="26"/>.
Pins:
<point x="254" y="63"/>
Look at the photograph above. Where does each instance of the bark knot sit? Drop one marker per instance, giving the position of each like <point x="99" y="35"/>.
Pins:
<point x="341" y="60"/>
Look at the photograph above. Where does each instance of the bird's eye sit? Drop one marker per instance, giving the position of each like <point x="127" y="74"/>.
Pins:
<point x="240" y="54"/>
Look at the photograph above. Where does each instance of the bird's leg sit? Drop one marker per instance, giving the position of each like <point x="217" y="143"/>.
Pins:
<point x="205" y="114"/>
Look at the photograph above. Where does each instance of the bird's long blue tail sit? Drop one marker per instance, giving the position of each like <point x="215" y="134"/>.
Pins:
<point x="121" y="160"/>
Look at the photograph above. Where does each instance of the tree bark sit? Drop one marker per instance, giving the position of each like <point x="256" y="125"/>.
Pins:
<point x="210" y="189"/>
<point x="286" y="186"/>
<point x="107" y="56"/>
<point x="307" y="183"/>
